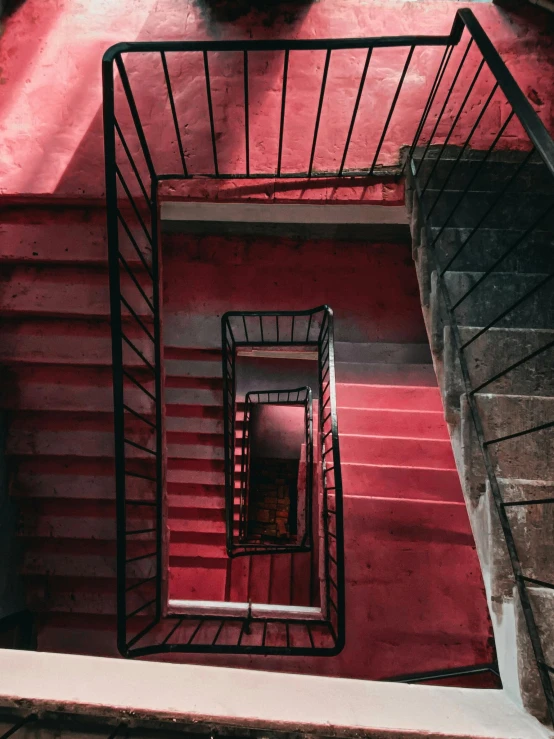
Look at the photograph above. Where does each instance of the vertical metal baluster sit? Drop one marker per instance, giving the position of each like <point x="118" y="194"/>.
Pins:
<point x="486" y="214"/>
<point x="262" y="329"/>
<point x="245" y="329"/>
<point x="319" y="108"/>
<point x="474" y="177"/>
<point x="277" y="327"/>
<point x="431" y="99"/>
<point x="445" y="103"/>
<point x="210" y="110"/>
<point x="19" y="725"/>
<point x="246" y="113"/>
<point x="309" y="327"/>
<point x="292" y="331"/>
<point x="283" y="101"/>
<point x="174" y="112"/>
<point x="135" y="115"/>
<point x="355" y="111"/>
<point x="218" y="632"/>
<point x="462" y="150"/>
<point x="393" y="106"/>
<point x="455" y="122"/>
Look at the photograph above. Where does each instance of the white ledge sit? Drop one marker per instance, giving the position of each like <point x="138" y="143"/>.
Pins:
<point x="249" y="699"/>
<point x="284" y="213"/>
<point x="243" y="610"/>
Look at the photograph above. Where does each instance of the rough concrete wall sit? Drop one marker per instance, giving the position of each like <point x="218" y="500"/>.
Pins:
<point x="50" y="59"/>
<point x="371" y="287"/>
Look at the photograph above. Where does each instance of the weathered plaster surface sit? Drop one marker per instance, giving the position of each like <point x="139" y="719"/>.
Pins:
<point x="228" y="697"/>
<point x="50" y="55"/>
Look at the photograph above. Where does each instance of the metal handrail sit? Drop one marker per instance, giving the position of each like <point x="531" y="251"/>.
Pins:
<point x="519" y="227"/>
<point x="142" y="564"/>
<point x="312" y="328"/>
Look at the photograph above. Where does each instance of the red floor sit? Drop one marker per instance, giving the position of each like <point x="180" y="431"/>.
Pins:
<point x="415" y="598"/>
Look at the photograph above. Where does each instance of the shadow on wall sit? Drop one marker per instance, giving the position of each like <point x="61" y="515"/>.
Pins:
<point x="230" y="11"/>
<point x="8" y="7"/>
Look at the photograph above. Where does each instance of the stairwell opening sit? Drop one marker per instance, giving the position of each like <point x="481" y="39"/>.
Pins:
<point x="400" y="477"/>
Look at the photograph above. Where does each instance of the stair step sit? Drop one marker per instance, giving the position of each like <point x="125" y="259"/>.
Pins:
<point x="194" y="410"/>
<point x="193" y="425"/>
<point x="519" y="209"/>
<point x="195" y="496"/>
<point x="404" y="452"/>
<point x="178" y="395"/>
<point x="385" y="374"/>
<point x="528" y="456"/>
<point x="482" y="248"/>
<point x="382" y="352"/>
<point x="176" y="450"/>
<point x="198" y="582"/>
<point x="400" y="482"/>
<point x="498" y="292"/>
<point x="195" y="464"/>
<point x="390" y="397"/>
<point x="182" y="477"/>
<point x="457" y="174"/>
<point x="197" y="520"/>
<point x="280" y="579"/>
<point x="192" y="354"/>
<point x="239" y="579"/>
<point x="260" y="578"/>
<point x="197" y="544"/>
<point x="535" y="552"/>
<point x="194" y="438"/>
<point x="502" y="347"/>
<point x="28" y="483"/>
<point x="206" y="373"/>
<point x="418" y="424"/>
<point x="301" y="579"/>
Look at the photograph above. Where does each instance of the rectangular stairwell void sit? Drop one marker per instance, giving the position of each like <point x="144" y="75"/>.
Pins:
<point x="277" y="503"/>
<point x="276" y="480"/>
<point x="279" y="532"/>
<point x="409" y="545"/>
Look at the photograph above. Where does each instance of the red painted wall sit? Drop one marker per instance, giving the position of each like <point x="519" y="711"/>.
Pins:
<point x="50" y="122"/>
<point x="372" y="288"/>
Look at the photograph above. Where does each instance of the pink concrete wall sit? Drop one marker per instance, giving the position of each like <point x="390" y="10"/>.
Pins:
<point x="51" y="93"/>
<point x="372" y="288"/>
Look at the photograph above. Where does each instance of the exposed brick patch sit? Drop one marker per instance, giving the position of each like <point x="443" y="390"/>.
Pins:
<point x="273" y="498"/>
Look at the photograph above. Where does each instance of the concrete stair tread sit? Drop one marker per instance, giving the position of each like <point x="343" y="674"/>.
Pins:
<point x="421" y="424"/>
<point x="401" y="397"/>
<point x="390" y="481"/>
<point x="385" y="374"/>
<point x="405" y="451"/>
<point x="382" y="352"/>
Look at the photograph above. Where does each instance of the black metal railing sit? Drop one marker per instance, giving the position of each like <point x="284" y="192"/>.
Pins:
<point x="298" y="538"/>
<point x="485" y="189"/>
<point x="289" y="330"/>
<point x="242" y="330"/>
<point x="139" y="157"/>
